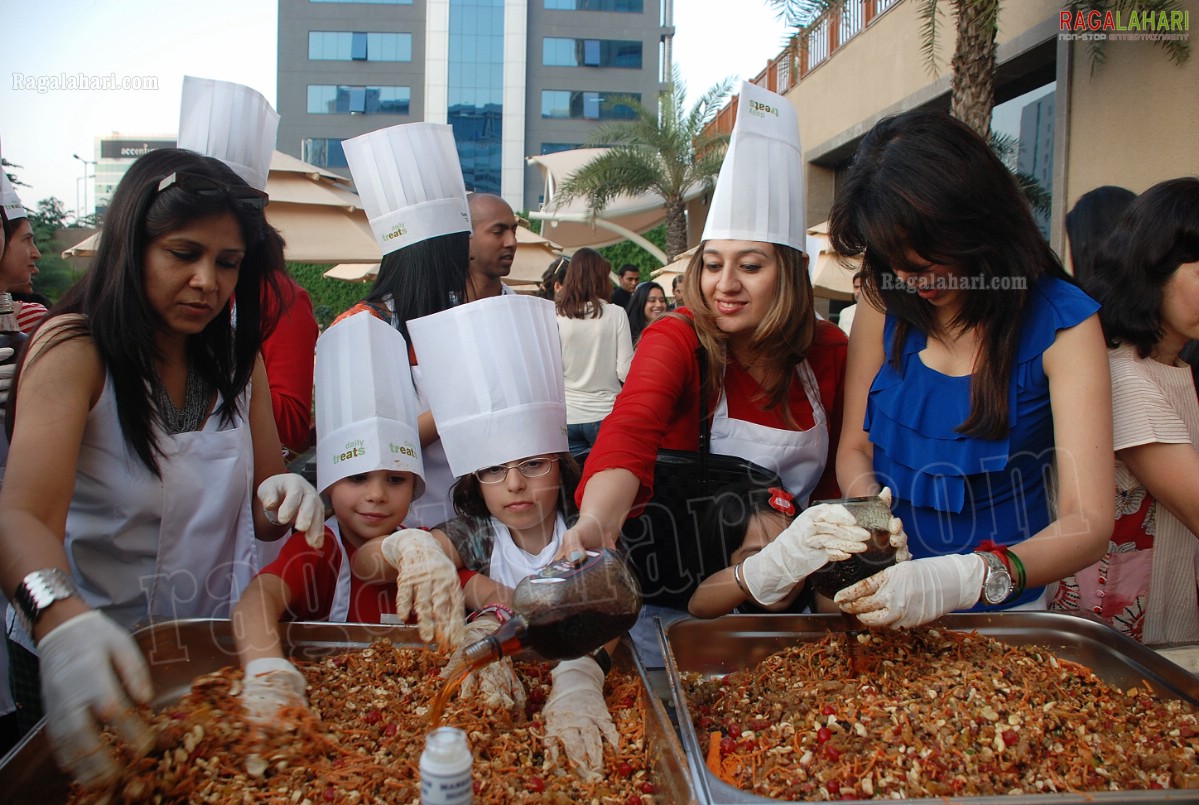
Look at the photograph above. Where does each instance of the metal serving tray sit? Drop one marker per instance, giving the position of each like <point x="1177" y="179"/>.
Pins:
<point x="179" y="651"/>
<point x="717" y="647"/>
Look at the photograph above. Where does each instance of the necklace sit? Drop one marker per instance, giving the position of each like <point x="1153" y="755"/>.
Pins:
<point x="195" y="404"/>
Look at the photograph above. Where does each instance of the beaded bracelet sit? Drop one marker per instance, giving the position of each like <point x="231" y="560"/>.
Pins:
<point x="501" y="612"/>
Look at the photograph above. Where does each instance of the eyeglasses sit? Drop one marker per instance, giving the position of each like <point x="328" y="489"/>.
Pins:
<point x="529" y="468"/>
<point x="243" y="197"/>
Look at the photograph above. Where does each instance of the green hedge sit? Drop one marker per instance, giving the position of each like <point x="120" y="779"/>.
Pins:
<point x="330" y="298"/>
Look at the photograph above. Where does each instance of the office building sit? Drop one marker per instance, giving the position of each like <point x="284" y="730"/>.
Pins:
<point x="514" y="78"/>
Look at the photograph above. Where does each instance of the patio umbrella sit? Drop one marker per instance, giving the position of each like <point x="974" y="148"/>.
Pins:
<point x="665" y="275"/>
<point x="832" y="273"/>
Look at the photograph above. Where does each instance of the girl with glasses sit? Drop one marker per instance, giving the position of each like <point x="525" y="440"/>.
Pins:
<point x="140" y="431"/>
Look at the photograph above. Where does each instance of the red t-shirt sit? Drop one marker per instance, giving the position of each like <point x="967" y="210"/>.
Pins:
<point x="311" y="575"/>
<point x="288" y="355"/>
<point x="658" y="408"/>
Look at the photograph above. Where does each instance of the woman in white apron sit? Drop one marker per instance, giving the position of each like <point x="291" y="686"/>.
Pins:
<point x="142" y="425"/>
<point x="774" y="371"/>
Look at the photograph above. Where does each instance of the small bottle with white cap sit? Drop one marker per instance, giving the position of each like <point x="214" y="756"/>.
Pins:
<point x="445" y="768"/>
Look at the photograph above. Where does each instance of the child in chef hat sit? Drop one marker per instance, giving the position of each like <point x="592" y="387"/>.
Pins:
<point x="369" y="466"/>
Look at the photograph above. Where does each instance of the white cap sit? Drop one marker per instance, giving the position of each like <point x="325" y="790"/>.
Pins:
<point x="366" y="405"/>
<point x="492" y="373"/>
<point x="760" y="192"/>
<point x="411" y="183"/>
<point x="229" y="122"/>
<point x="13" y="208"/>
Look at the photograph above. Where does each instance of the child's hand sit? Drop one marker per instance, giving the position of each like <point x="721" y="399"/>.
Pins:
<point x="577" y="716"/>
<point x="271" y="684"/>
<point x="497" y="682"/>
<point x="428" y="583"/>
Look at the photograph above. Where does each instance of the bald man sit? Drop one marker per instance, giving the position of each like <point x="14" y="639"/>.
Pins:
<point x="492" y="246"/>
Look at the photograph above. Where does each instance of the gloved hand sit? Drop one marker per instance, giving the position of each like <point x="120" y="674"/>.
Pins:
<point x="821" y="534"/>
<point x="915" y="592"/>
<point x="428" y="582"/>
<point x="577" y="716"/>
<point x="90" y="670"/>
<point x="289" y="498"/>
<point x="497" y="682"/>
<point x="6" y="373"/>
<point x="899" y="539"/>
<point x="271" y="684"/>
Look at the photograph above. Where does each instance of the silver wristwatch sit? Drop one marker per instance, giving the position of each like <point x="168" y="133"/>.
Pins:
<point x="997" y="583"/>
<point x="39" y="590"/>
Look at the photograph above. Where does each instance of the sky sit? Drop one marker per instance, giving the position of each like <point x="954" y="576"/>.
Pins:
<point x="234" y="40"/>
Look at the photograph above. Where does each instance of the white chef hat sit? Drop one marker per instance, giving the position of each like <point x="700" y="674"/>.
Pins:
<point x="13" y="208"/>
<point x="410" y="182"/>
<point x="492" y="374"/>
<point x="366" y="405"/>
<point x="760" y="192"/>
<point x="229" y="122"/>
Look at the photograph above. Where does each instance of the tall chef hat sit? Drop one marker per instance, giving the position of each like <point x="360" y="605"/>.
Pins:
<point x="13" y="208"/>
<point x="410" y="182"/>
<point x="365" y="403"/>
<point x="760" y="192"/>
<point x="230" y="122"/>
<point x="492" y="374"/>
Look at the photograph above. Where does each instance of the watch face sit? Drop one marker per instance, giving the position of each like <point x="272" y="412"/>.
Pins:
<point x="998" y="587"/>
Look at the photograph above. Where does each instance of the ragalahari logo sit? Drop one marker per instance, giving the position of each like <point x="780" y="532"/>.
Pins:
<point x="1138" y="24"/>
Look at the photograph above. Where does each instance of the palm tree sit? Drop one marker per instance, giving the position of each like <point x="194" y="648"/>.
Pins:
<point x="666" y="153"/>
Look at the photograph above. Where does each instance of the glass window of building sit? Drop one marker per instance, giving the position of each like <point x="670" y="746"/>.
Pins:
<point x="1023" y="130"/>
<point x="567" y="104"/>
<point x="376" y="2"/>
<point x="475" y="77"/>
<point x="324" y="152"/>
<point x="634" y="6"/>
<point x="565" y="52"/>
<point x="328" y="99"/>
<point x="354" y="46"/>
<point x="553" y="148"/>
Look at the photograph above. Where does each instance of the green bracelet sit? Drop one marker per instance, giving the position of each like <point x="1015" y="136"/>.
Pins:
<point x="1021" y="579"/>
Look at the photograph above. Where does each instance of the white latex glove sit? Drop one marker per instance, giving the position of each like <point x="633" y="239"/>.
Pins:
<point x="289" y="498"/>
<point x="428" y="583"/>
<point x="915" y="592"/>
<point x="271" y="684"/>
<point x="6" y="373"/>
<point x="577" y="716"/>
<point x="899" y="538"/>
<point x="821" y="534"/>
<point x="91" y="668"/>
<point x="497" y="682"/>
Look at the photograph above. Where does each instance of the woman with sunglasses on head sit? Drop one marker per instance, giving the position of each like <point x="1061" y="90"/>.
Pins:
<point x="976" y="371"/>
<point x="646" y="306"/>
<point x="596" y="347"/>
<point x="140" y="429"/>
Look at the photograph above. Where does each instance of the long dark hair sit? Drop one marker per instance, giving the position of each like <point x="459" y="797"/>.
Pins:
<point x="555" y="273"/>
<point x="118" y="318"/>
<point x="586" y="283"/>
<point x="636" y="308"/>
<point x="924" y="183"/>
<point x="1089" y="222"/>
<point x="422" y="279"/>
<point x="467" y="492"/>
<point x="1158" y="233"/>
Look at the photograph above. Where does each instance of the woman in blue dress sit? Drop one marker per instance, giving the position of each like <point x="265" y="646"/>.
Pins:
<point x="977" y="386"/>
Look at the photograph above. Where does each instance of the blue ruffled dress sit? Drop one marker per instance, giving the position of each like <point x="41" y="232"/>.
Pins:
<point x="952" y="490"/>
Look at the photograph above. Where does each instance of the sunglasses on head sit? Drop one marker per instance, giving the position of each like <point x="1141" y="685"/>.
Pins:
<point x="242" y="196"/>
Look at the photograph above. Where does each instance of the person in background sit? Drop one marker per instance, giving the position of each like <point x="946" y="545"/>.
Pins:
<point x="492" y="246"/>
<point x="676" y="293"/>
<point x="19" y="256"/>
<point x="597" y="347"/>
<point x="626" y="281"/>
<point x="975" y="364"/>
<point x="553" y="277"/>
<point x="845" y="319"/>
<point x="1146" y="276"/>
<point x="646" y="306"/>
<point x="287" y="355"/>
<point x="774" y="373"/>
<point x="371" y="489"/>
<point x="141" y="428"/>
<point x="1089" y="222"/>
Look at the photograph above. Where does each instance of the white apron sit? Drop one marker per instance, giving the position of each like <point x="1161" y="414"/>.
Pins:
<point x="510" y="563"/>
<point x="799" y="457"/>
<point x="339" y="610"/>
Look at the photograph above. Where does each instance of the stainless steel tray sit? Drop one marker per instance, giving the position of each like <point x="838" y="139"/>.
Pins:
<point x="720" y="646"/>
<point x="179" y="651"/>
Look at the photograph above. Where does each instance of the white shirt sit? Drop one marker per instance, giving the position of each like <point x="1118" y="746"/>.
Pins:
<point x="596" y="354"/>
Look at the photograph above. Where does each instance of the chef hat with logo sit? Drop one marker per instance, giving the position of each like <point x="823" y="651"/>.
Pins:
<point x="366" y="404"/>
<point x="229" y="122"/>
<point x="492" y="374"/>
<point x="760" y="191"/>
<point x="411" y="183"/>
<point x="13" y="208"/>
